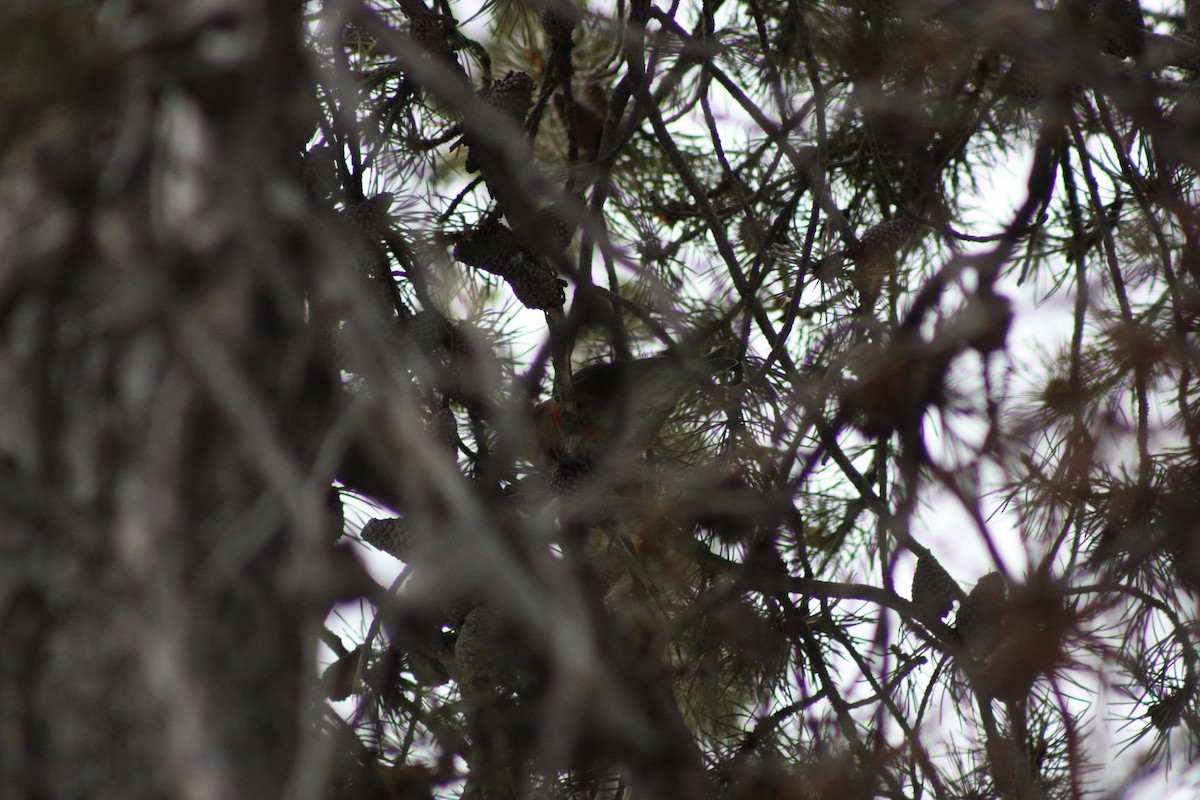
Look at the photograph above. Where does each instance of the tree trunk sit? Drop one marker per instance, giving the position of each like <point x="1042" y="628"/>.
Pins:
<point x="163" y="528"/>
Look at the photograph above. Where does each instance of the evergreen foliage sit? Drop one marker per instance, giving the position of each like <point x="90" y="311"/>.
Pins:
<point x="658" y="341"/>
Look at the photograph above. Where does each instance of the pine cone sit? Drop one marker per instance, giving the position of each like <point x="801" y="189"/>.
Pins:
<point x="933" y="590"/>
<point x="1168" y="712"/>
<point x="566" y="469"/>
<point x="1028" y="81"/>
<point x="489" y="247"/>
<point x="534" y="282"/>
<point x="370" y="216"/>
<point x="389" y="535"/>
<point x="430" y="332"/>
<point x="558" y="222"/>
<point x="365" y="224"/>
<point x="337" y="512"/>
<point x="513" y="96"/>
<point x="495" y="249"/>
<point x="559" y="18"/>
<point x="887" y="236"/>
<point x="433" y="31"/>
<point x="875" y="256"/>
<point x="476" y="661"/>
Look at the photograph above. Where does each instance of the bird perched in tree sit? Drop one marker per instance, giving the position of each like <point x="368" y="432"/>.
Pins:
<point x="619" y="407"/>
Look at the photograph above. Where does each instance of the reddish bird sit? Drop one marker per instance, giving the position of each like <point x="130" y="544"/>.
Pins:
<point x="619" y="407"/>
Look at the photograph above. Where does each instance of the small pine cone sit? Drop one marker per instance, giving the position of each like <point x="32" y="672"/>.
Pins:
<point x="1027" y="82"/>
<point x="565" y="470"/>
<point x="558" y="223"/>
<point x="886" y="237"/>
<point x="392" y="536"/>
<point x="534" y="282"/>
<point x="430" y="332"/>
<point x="489" y="247"/>
<point x="494" y="248"/>
<point x="371" y="215"/>
<point x="559" y="18"/>
<point x="513" y="96"/>
<point x="981" y="615"/>
<point x="1168" y="712"/>
<point x="875" y="256"/>
<point x="432" y="31"/>
<point x="476" y="661"/>
<point x="933" y="590"/>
